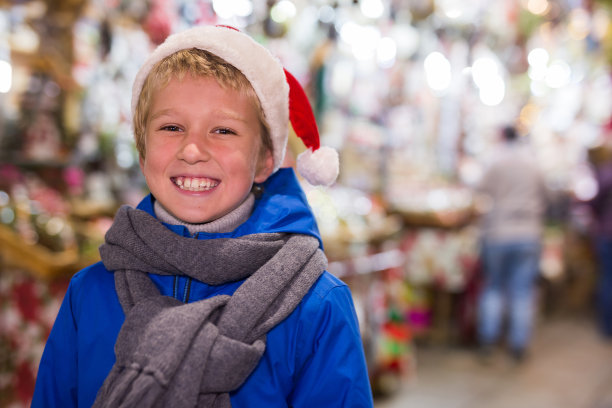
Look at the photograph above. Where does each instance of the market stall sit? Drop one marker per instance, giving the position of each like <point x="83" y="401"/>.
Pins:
<point x="410" y="93"/>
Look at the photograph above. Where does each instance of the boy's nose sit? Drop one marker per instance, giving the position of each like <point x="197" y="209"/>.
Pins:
<point x="194" y="150"/>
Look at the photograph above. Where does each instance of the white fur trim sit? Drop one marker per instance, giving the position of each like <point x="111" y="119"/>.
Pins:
<point x="263" y="70"/>
<point x="319" y="168"/>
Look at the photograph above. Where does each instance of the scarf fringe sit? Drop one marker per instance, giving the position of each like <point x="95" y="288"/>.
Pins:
<point x="130" y="387"/>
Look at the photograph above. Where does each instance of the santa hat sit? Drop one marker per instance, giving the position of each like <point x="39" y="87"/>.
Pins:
<point x="281" y="96"/>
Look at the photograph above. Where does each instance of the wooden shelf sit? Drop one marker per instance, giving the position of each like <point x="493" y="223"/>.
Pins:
<point x="449" y="219"/>
<point x="40" y="261"/>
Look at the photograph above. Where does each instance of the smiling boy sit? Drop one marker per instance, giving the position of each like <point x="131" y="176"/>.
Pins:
<point x="213" y="291"/>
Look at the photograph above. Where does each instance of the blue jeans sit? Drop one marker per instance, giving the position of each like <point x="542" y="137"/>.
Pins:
<point x="510" y="271"/>
<point x="604" y="285"/>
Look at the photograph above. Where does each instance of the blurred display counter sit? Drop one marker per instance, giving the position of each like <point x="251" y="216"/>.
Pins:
<point x="36" y="259"/>
<point x="448" y="207"/>
<point x="46" y="257"/>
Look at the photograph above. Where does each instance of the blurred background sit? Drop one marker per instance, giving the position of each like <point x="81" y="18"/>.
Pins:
<point x="412" y="94"/>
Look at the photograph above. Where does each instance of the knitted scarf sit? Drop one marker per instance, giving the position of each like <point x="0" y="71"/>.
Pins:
<point x="184" y="355"/>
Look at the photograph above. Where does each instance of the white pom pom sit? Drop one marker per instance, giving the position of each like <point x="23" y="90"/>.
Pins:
<point x="319" y="168"/>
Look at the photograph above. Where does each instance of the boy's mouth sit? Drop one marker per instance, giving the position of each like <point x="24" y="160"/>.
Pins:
<point x="195" y="183"/>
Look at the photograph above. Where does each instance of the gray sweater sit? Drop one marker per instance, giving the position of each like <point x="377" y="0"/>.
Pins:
<point x="514" y="186"/>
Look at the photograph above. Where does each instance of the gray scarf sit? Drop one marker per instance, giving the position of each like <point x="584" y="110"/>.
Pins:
<point x="184" y="355"/>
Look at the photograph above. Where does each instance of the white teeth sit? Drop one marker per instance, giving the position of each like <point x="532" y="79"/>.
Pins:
<point x="195" y="184"/>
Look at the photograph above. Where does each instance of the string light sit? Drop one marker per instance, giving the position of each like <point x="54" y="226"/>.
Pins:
<point x="6" y="76"/>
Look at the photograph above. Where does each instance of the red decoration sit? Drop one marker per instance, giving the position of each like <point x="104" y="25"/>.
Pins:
<point x="158" y="23"/>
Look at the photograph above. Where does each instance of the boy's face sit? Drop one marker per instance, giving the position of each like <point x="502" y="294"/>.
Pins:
<point x="202" y="149"/>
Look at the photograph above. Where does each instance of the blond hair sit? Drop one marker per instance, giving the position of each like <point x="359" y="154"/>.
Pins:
<point x="199" y="63"/>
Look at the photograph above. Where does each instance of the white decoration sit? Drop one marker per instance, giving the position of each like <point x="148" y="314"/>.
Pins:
<point x="320" y="167"/>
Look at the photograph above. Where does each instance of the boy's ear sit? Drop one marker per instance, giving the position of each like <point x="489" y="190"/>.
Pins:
<point x="265" y="166"/>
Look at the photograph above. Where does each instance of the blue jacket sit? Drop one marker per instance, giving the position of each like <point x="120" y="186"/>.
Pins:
<point x="314" y="358"/>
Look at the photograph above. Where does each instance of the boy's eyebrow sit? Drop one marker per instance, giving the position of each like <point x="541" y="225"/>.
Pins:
<point x="161" y="113"/>
<point x="229" y="115"/>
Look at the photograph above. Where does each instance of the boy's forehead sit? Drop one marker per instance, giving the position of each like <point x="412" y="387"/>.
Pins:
<point x="158" y="107"/>
<point x="180" y="77"/>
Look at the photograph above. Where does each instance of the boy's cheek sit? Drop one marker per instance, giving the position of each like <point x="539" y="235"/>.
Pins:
<point x="265" y="168"/>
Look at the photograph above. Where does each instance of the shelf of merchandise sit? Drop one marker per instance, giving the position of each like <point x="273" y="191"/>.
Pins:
<point x="36" y="259"/>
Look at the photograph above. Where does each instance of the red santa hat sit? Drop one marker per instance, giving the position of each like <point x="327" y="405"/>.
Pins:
<point x="281" y="96"/>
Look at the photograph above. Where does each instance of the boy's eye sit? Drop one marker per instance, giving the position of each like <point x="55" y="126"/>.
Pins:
<point x="224" y="131"/>
<point x="171" y="128"/>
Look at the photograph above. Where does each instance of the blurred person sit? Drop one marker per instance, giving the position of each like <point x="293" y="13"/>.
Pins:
<point x="511" y="244"/>
<point x="601" y="208"/>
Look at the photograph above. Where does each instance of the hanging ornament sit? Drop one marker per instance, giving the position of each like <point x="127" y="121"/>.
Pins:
<point x="158" y="23"/>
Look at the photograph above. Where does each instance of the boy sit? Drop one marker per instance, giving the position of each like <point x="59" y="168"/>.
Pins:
<point x="213" y="291"/>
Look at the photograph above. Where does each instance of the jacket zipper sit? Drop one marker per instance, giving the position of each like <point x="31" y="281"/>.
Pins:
<point x="187" y="291"/>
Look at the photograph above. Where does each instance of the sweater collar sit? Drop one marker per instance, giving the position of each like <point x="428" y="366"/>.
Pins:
<point x="227" y="223"/>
